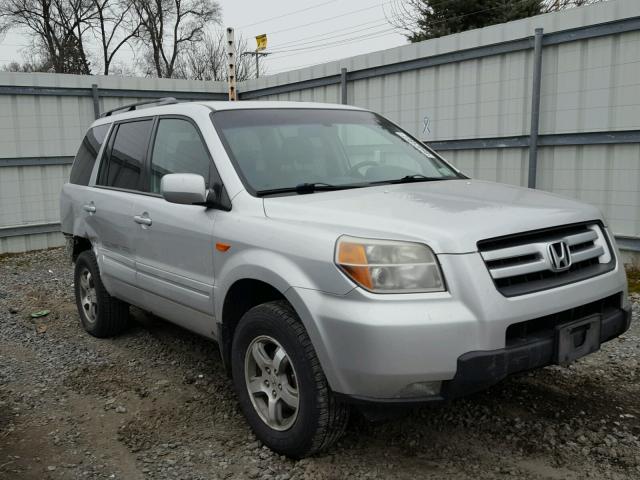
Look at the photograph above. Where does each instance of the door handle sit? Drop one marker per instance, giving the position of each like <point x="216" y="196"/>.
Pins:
<point x="89" y="207"/>
<point x="142" y="220"/>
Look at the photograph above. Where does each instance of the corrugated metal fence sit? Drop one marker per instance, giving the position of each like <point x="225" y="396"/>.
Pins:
<point x="43" y="118"/>
<point x="571" y="126"/>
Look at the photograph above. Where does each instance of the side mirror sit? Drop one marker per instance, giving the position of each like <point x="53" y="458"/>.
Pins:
<point x="183" y="188"/>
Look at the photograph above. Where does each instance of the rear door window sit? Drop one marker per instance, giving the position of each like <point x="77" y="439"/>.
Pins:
<point x="87" y="155"/>
<point x="124" y="164"/>
<point x="178" y="148"/>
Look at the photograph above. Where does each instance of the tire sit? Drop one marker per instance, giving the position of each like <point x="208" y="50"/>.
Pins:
<point x="320" y="419"/>
<point x="101" y="314"/>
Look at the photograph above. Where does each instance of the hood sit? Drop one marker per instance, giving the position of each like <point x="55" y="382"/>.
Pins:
<point x="450" y="216"/>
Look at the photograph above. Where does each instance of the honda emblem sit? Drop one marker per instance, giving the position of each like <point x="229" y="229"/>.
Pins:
<point x="560" y="256"/>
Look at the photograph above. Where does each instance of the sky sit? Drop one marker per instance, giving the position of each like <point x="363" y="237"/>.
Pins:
<point x="300" y="33"/>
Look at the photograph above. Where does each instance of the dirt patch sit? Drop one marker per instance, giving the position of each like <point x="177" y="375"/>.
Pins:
<point x="155" y="403"/>
<point x="633" y="276"/>
<point x="103" y="381"/>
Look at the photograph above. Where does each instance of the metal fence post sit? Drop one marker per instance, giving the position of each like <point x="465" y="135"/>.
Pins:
<point x="231" y="64"/>
<point x="343" y="86"/>
<point x="96" y="100"/>
<point x="535" y="108"/>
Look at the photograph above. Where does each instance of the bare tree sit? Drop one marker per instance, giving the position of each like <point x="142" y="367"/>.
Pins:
<point x="75" y="18"/>
<point x="4" y="25"/>
<point x="27" y="67"/>
<point x="555" y="5"/>
<point x="169" y="27"/>
<point x="57" y="28"/>
<point x="207" y="60"/>
<point x="115" y="25"/>
<point x="403" y="15"/>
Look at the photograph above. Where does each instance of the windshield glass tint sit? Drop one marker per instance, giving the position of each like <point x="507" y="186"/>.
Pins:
<point x="283" y="148"/>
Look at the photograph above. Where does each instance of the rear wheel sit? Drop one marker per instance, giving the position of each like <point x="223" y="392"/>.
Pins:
<point x="100" y="314"/>
<point x="282" y="389"/>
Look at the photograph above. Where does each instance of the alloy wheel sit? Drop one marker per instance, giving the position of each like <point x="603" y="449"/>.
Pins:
<point x="88" y="296"/>
<point x="272" y="383"/>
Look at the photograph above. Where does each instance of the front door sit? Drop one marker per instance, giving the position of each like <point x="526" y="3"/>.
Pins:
<point x="174" y="243"/>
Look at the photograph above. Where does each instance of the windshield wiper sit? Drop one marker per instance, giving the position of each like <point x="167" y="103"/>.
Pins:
<point x="416" y="177"/>
<point x="304" y="188"/>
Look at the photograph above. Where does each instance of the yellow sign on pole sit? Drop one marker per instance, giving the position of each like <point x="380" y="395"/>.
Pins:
<point x="261" y="42"/>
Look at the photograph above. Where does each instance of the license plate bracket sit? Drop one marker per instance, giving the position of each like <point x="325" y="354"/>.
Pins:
<point x="577" y="339"/>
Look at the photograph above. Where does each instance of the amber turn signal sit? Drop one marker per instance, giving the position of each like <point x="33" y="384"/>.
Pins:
<point x="352" y="257"/>
<point x="222" y="247"/>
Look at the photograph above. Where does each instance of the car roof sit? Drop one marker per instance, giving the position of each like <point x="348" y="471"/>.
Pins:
<point x="249" y="104"/>
<point x="186" y="107"/>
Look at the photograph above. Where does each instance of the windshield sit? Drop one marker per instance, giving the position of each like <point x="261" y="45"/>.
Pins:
<point x="279" y="149"/>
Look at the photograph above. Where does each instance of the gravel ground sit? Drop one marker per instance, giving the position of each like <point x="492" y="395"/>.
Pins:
<point x="155" y="403"/>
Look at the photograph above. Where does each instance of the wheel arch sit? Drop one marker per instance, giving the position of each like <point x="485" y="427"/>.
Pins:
<point x="283" y="278"/>
<point x="241" y="296"/>
<point x="78" y="245"/>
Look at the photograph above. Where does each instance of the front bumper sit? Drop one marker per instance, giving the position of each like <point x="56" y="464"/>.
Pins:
<point x="379" y="347"/>
<point x="479" y="370"/>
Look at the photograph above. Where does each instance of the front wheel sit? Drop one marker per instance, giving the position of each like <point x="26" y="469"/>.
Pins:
<point x="282" y="389"/>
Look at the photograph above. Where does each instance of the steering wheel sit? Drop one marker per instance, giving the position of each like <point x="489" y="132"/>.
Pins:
<point x="365" y="163"/>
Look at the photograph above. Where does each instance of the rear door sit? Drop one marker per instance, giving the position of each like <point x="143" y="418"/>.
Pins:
<point x="110" y="206"/>
<point x="174" y="243"/>
<point x="76" y="194"/>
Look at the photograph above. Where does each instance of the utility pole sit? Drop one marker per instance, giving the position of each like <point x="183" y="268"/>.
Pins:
<point x="257" y="54"/>
<point x="231" y="64"/>
<point x="257" y="65"/>
<point x="261" y="45"/>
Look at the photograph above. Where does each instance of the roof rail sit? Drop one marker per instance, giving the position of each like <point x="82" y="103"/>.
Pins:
<point x="133" y="106"/>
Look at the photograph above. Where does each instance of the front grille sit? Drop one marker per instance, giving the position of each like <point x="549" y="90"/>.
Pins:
<point x="522" y="263"/>
<point x="544" y="326"/>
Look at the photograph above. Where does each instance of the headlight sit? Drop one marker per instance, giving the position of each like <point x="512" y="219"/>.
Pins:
<point x="387" y="266"/>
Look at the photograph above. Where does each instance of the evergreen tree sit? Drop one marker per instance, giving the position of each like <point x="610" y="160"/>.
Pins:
<point x="436" y="18"/>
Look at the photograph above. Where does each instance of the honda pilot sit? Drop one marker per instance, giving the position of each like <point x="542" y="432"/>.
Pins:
<point x="337" y="260"/>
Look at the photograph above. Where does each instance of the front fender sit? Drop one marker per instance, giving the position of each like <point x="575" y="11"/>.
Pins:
<point x="277" y="270"/>
<point x="289" y="278"/>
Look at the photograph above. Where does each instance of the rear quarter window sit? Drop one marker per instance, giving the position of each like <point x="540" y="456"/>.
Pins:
<point x="87" y="155"/>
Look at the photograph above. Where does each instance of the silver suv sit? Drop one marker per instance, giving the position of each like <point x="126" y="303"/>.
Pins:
<point x="336" y="260"/>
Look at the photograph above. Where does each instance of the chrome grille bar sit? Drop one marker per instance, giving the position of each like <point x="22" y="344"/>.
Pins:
<point x="531" y="262"/>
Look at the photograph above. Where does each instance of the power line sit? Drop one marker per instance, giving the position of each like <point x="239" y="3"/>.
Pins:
<point x="369" y="36"/>
<point x="377" y="34"/>
<point x="329" y="18"/>
<point x="382" y="4"/>
<point x="324" y="37"/>
<point x="378" y="23"/>
<point x="358" y="39"/>
<point x="315" y="35"/>
<point x="285" y="69"/>
<point x="350" y="29"/>
<point x="287" y="14"/>
<point x="335" y="43"/>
